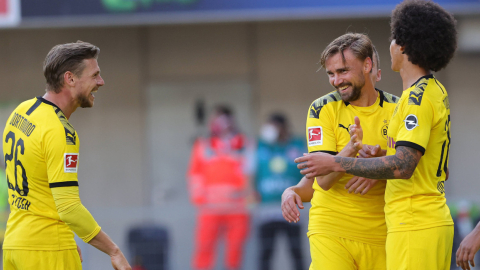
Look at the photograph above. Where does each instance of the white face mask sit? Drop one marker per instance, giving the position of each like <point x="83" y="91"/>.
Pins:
<point x="269" y="133"/>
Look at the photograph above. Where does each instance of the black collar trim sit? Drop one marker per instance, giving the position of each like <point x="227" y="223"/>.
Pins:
<point x="429" y="76"/>
<point x="48" y="102"/>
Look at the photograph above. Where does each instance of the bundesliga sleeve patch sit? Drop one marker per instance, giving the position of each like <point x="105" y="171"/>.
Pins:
<point x="411" y="122"/>
<point x="71" y="162"/>
<point x="315" y="136"/>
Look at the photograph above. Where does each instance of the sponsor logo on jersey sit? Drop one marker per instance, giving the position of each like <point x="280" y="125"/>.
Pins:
<point x="345" y="127"/>
<point x="315" y="136"/>
<point x="71" y="162"/>
<point x="391" y="142"/>
<point x="411" y="122"/>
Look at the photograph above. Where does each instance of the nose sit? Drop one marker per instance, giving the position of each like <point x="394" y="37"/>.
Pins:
<point x="100" y="81"/>
<point x="337" y="80"/>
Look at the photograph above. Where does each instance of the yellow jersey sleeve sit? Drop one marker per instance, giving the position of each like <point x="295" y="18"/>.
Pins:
<point x="61" y="157"/>
<point x="320" y="130"/>
<point x="418" y="116"/>
<point x="74" y="214"/>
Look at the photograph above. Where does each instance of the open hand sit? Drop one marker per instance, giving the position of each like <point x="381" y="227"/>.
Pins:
<point x="360" y="185"/>
<point x="290" y="200"/>
<point x="468" y="247"/>
<point x="356" y="134"/>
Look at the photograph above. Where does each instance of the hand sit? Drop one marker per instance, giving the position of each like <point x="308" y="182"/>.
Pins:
<point x="356" y="134"/>
<point x="80" y="253"/>
<point x="468" y="247"/>
<point x="315" y="164"/>
<point x="290" y="200"/>
<point x="360" y="185"/>
<point x="119" y="262"/>
<point x="369" y="151"/>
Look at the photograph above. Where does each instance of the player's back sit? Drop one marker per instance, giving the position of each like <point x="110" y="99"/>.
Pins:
<point x="41" y="152"/>
<point x="420" y="121"/>
<point x="335" y="211"/>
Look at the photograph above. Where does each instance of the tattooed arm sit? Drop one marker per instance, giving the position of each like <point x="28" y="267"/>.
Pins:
<point x="400" y="166"/>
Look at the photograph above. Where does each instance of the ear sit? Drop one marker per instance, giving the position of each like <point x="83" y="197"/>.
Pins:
<point x="379" y="75"/>
<point x="367" y="65"/>
<point x="69" y="78"/>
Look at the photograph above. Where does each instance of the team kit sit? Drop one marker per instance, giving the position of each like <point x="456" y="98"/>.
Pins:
<point x="393" y="150"/>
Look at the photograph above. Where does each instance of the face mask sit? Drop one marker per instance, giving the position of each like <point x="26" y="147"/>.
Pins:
<point x="269" y="133"/>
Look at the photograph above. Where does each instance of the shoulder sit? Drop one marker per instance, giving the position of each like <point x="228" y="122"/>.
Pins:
<point x="330" y="99"/>
<point x="387" y="97"/>
<point x="427" y="87"/>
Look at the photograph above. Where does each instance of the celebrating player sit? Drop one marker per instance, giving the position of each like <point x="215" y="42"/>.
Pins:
<point x="41" y="151"/>
<point x="420" y="227"/>
<point x="346" y="230"/>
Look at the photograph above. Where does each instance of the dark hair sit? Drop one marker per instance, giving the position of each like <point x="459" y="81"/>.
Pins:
<point x="360" y="45"/>
<point x="278" y="118"/>
<point x="66" y="57"/>
<point x="426" y="31"/>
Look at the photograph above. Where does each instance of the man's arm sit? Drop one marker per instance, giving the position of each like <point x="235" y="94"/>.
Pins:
<point x="363" y="185"/>
<point x="78" y="218"/>
<point x="468" y="247"/>
<point x="399" y="166"/>
<point x="326" y="182"/>
<point x="293" y="196"/>
<point x="103" y="243"/>
<point x="350" y="150"/>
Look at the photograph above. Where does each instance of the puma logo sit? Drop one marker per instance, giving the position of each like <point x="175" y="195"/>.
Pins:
<point x="413" y="96"/>
<point x="315" y="111"/>
<point x="415" y="99"/>
<point x="347" y="128"/>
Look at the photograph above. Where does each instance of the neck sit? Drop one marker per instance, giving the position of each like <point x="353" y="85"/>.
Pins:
<point x="63" y="100"/>
<point x="410" y="74"/>
<point x="367" y="97"/>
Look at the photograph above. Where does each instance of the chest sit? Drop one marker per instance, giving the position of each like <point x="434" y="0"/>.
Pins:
<point x="375" y="127"/>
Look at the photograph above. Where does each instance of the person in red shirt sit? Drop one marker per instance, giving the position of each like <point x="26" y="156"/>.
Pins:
<point x="218" y="187"/>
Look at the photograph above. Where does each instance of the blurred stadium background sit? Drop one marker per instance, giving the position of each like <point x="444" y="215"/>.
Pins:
<point x="161" y="58"/>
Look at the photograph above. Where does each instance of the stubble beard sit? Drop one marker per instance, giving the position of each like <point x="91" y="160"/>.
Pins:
<point x="84" y="101"/>
<point x="355" y="94"/>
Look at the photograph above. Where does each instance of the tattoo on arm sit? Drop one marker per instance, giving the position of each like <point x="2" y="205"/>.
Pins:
<point x="400" y="166"/>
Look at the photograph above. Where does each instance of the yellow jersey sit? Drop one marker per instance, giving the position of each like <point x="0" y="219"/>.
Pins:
<point x="421" y="120"/>
<point x="336" y="212"/>
<point x="41" y="152"/>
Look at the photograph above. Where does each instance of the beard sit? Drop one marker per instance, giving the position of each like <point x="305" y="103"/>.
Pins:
<point x="84" y="101"/>
<point x="355" y="93"/>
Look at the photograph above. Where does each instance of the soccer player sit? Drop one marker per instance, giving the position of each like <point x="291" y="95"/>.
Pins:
<point x="468" y="247"/>
<point x="420" y="227"/>
<point x="41" y="151"/>
<point x="346" y="231"/>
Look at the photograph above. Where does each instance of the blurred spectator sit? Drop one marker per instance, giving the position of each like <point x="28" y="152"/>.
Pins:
<point x="276" y="171"/>
<point x="218" y="187"/>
